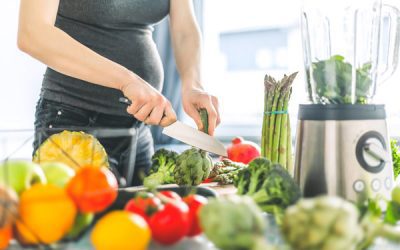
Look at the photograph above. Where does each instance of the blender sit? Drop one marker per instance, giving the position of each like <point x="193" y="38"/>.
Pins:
<point x="342" y="143"/>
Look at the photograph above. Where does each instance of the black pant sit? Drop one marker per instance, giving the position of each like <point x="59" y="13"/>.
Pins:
<point x="52" y="117"/>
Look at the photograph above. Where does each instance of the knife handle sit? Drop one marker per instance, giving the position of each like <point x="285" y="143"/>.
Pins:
<point x="125" y="101"/>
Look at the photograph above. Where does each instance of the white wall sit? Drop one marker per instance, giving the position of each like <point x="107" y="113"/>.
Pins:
<point x="20" y="75"/>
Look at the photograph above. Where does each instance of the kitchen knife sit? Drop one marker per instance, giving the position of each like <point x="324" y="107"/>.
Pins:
<point x="191" y="136"/>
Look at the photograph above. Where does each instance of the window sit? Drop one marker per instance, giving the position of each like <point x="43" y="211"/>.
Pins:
<point x="246" y="39"/>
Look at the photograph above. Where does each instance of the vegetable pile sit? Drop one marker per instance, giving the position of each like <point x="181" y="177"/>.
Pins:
<point x="276" y="140"/>
<point x="395" y="157"/>
<point x="329" y="222"/>
<point x="269" y="185"/>
<point x="234" y="223"/>
<point x="333" y="82"/>
<point x="169" y="217"/>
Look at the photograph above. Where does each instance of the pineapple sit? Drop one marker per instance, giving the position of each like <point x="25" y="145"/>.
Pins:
<point x="76" y="149"/>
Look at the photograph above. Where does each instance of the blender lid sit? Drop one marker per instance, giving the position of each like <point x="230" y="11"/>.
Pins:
<point x="323" y="112"/>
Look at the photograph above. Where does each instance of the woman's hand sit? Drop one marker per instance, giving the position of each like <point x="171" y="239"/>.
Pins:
<point x="148" y="104"/>
<point x="195" y="98"/>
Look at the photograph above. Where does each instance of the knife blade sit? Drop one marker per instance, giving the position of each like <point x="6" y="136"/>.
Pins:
<point x="191" y="136"/>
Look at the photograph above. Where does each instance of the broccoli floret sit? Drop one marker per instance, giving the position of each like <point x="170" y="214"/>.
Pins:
<point x="277" y="192"/>
<point x="162" y="168"/>
<point x="242" y="181"/>
<point x="249" y="179"/>
<point x="270" y="186"/>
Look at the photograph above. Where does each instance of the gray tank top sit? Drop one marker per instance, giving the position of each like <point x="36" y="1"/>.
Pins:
<point x="120" y="30"/>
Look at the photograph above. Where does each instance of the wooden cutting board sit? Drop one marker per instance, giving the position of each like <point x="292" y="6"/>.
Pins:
<point x="220" y="189"/>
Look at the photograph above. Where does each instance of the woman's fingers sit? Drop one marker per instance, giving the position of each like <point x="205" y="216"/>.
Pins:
<point x="155" y="116"/>
<point x="143" y="112"/>
<point x="169" y="116"/>
<point x="194" y="114"/>
<point x="215" y="103"/>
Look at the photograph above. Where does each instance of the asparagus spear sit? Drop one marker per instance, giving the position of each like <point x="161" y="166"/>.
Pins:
<point x="269" y="85"/>
<point x="282" y="147"/>
<point x="272" y="119"/>
<point x="277" y="127"/>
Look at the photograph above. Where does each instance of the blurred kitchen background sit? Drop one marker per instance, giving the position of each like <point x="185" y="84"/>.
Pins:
<point x="243" y="41"/>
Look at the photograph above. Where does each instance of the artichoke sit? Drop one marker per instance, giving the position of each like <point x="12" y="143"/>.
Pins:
<point x="234" y="223"/>
<point x="323" y="223"/>
<point x="192" y="167"/>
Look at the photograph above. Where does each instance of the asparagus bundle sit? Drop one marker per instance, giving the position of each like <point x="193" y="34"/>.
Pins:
<point x="276" y="141"/>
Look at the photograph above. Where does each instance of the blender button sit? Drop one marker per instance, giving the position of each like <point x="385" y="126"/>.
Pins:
<point x="376" y="185"/>
<point x="388" y="183"/>
<point x="359" y="186"/>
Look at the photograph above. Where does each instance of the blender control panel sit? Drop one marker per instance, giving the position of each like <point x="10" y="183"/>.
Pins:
<point x="372" y="155"/>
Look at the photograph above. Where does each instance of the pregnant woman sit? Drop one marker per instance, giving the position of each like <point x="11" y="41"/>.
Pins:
<point x="100" y="50"/>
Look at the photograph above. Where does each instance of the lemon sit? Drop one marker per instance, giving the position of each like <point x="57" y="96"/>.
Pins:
<point x="121" y="230"/>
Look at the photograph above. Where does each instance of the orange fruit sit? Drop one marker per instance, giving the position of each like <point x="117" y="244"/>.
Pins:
<point x="93" y="189"/>
<point x="121" y="230"/>
<point x="46" y="214"/>
<point x="6" y="234"/>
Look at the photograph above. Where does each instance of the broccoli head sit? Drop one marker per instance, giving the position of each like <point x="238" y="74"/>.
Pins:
<point x="249" y="179"/>
<point x="278" y="191"/>
<point x="162" y="168"/>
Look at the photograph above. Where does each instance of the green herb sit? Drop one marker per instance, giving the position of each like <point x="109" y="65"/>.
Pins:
<point x="333" y="81"/>
<point x="396" y="157"/>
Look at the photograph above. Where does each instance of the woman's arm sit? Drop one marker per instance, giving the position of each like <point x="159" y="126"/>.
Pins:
<point x="38" y="37"/>
<point x="186" y="41"/>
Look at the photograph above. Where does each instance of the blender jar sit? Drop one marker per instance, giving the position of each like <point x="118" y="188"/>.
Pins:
<point x="348" y="46"/>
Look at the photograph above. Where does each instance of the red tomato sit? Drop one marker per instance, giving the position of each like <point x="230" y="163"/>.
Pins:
<point x="171" y="194"/>
<point x="144" y="204"/>
<point x="194" y="202"/>
<point x="243" y="151"/>
<point x="170" y="224"/>
<point x="93" y="189"/>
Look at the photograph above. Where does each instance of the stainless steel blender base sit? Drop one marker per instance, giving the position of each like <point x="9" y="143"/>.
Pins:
<point x="347" y="158"/>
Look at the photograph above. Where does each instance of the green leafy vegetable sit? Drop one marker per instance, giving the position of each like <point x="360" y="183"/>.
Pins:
<point x="333" y="80"/>
<point x="396" y="157"/>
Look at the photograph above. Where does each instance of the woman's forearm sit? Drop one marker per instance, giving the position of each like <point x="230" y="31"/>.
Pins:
<point x="186" y="40"/>
<point x="187" y="49"/>
<point x="62" y="53"/>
